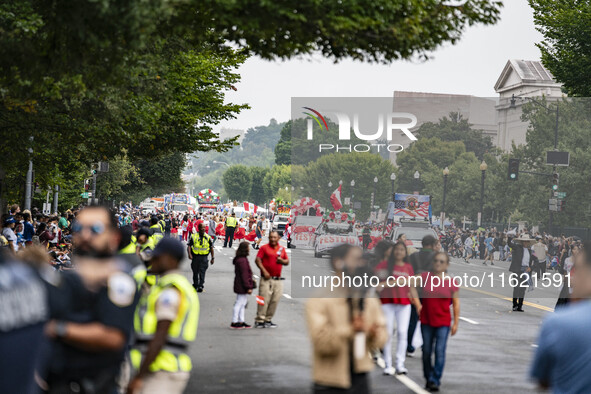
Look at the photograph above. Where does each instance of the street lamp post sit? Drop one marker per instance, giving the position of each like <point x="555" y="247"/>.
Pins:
<point x="392" y="179"/>
<point x="374" y="195"/>
<point x="442" y="216"/>
<point x="353" y="195"/>
<point x="483" y="167"/>
<point x="417" y="175"/>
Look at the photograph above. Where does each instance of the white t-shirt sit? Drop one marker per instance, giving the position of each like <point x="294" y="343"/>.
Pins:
<point x="525" y="260"/>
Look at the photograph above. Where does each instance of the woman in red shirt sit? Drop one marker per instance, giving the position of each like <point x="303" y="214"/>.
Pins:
<point x="438" y="293"/>
<point x="397" y="294"/>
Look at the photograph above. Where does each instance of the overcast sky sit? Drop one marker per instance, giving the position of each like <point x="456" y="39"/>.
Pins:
<point x="470" y="67"/>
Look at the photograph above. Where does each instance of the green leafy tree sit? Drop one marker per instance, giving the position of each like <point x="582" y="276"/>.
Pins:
<point x="257" y="192"/>
<point x="237" y="182"/>
<point x="565" y="47"/>
<point x="457" y="128"/>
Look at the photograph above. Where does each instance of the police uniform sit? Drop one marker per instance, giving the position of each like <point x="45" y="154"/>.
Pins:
<point x="173" y="299"/>
<point x="24" y="311"/>
<point x="200" y="247"/>
<point x="231" y="223"/>
<point x="157" y="233"/>
<point x="76" y="370"/>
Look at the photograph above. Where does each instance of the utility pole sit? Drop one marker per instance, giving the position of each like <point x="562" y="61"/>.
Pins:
<point x="29" y="181"/>
<point x="55" y="197"/>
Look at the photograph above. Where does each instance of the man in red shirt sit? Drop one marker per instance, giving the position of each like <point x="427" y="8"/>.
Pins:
<point x="270" y="259"/>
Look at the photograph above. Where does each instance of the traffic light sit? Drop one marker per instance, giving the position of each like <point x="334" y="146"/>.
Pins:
<point x="513" y="173"/>
<point x="86" y="184"/>
<point x="555" y="181"/>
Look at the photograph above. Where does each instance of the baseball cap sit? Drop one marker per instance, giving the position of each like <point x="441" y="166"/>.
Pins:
<point x="170" y="246"/>
<point x="9" y="221"/>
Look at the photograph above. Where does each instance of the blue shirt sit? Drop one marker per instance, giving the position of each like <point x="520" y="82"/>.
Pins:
<point x="28" y="231"/>
<point x="564" y="350"/>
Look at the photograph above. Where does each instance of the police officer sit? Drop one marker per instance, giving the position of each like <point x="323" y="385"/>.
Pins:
<point x="166" y="323"/>
<point x="145" y="244"/>
<point x="157" y="233"/>
<point x="91" y="332"/>
<point x="231" y="223"/>
<point x="198" y="248"/>
<point x="128" y="246"/>
<point x="24" y="312"/>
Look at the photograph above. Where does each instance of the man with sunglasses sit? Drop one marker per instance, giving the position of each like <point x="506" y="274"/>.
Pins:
<point x="94" y="322"/>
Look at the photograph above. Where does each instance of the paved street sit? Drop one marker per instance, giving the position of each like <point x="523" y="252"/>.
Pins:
<point x="490" y="353"/>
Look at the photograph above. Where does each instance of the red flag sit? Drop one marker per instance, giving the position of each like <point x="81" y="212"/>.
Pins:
<point x="335" y="199"/>
<point x="260" y="300"/>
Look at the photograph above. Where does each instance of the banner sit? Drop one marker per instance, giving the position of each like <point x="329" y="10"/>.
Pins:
<point x="411" y="205"/>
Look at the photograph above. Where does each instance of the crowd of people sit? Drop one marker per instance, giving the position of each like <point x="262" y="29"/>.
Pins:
<point x="95" y="302"/>
<point x="107" y="307"/>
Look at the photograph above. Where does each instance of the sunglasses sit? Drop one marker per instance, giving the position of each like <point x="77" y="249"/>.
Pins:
<point x="95" y="229"/>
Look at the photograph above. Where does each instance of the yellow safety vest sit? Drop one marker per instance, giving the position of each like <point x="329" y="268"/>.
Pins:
<point x="150" y="243"/>
<point x="182" y="331"/>
<point x="157" y="233"/>
<point x="231" y="221"/>
<point x="200" y="248"/>
<point x="141" y="276"/>
<point x="130" y="248"/>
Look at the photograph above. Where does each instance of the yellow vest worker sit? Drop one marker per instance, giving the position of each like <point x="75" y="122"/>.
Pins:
<point x="231" y="221"/>
<point x="157" y="234"/>
<point x="198" y="248"/>
<point x="165" y="324"/>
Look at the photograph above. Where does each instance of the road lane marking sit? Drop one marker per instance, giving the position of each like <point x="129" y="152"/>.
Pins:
<point x="541" y="307"/>
<point x="256" y="276"/>
<point x="286" y="296"/>
<point x="411" y="384"/>
<point x="469" y="320"/>
<point x="534" y="345"/>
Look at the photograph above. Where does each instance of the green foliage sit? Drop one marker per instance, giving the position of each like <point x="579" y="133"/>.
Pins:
<point x="457" y="128"/>
<point x="295" y="148"/>
<point x="237" y="182"/>
<point x="565" y="47"/>
<point x="257" y="192"/>
<point x="368" y="30"/>
<point x="336" y="167"/>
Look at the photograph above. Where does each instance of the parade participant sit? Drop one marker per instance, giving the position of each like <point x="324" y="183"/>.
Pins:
<point x="396" y="301"/>
<point x="260" y="232"/>
<point x="270" y="260"/>
<point x="211" y="229"/>
<point x="565" y="270"/>
<point x="366" y="236"/>
<point x="243" y="285"/>
<point x="166" y="323"/>
<point x="184" y="230"/>
<point x="436" y="320"/>
<point x="230" y="227"/>
<point x="343" y="324"/>
<point x="91" y="331"/>
<point x="522" y="261"/>
<point x="198" y="248"/>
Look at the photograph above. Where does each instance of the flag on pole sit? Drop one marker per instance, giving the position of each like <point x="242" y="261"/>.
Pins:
<point x="260" y="300"/>
<point x="335" y="199"/>
<point x="250" y="207"/>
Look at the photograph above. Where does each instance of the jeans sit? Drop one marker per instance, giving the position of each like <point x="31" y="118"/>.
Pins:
<point x="399" y="314"/>
<point x="199" y="267"/>
<point x="434" y="339"/>
<point x="501" y="253"/>
<point x="412" y="326"/>
<point x="239" y="306"/>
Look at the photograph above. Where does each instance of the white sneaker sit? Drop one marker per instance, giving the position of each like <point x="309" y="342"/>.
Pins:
<point x="401" y="370"/>
<point x="380" y="362"/>
<point x="389" y="371"/>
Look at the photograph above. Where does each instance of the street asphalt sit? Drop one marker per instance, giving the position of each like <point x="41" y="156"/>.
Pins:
<point x="491" y="352"/>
